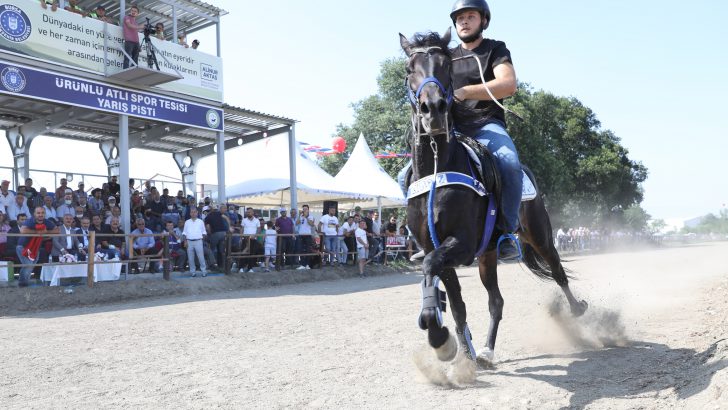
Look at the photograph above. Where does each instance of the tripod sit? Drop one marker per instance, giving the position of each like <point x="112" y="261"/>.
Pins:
<point x="151" y="55"/>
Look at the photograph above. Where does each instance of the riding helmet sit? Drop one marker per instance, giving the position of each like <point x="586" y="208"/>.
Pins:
<point x="478" y="5"/>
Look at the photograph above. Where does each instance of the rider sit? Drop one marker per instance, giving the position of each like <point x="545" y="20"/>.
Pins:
<point x="476" y="114"/>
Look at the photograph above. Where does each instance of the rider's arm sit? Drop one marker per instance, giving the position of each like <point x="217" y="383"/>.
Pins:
<point x="503" y="85"/>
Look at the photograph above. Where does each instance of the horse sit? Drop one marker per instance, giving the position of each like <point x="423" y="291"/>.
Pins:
<point x="455" y="214"/>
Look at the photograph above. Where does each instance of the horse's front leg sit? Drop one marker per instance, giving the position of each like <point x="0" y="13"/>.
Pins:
<point x="488" y="267"/>
<point x="457" y="305"/>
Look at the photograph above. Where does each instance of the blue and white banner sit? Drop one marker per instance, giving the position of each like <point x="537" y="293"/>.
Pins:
<point x="30" y="82"/>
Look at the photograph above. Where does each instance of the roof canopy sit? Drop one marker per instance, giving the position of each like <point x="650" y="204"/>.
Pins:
<point x="265" y="177"/>
<point x="363" y="173"/>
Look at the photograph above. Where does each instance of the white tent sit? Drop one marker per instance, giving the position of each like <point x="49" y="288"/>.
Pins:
<point x="266" y="178"/>
<point x="362" y="173"/>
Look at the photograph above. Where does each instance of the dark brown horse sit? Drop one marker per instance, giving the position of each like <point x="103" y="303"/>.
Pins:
<point x="459" y="212"/>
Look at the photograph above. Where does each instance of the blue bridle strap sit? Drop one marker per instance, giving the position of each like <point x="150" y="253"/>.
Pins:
<point x="414" y="97"/>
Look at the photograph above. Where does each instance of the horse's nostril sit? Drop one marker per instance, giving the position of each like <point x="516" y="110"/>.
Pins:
<point x="424" y="108"/>
<point x="442" y="107"/>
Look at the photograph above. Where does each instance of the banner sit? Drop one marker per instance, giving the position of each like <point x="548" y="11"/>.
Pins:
<point x="45" y="85"/>
<point x="70" y="39"/>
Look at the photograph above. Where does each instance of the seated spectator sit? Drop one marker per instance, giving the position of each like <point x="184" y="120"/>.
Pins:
<point x="50" y="211"/>
<point x="30" y="192"/>
<point x="95" y="203"/>
<point x="12" y="241"/>
<point x="4" y="228"/>
<point x="80" y="192"/>
<point x="96" y="224"/>
<point x="391" y="228"/>
<point x="79" y="214"/>
<point x="112" y="243"/>
<point x="171" y="214"/>
<point x="85" y="238"/>
<point x="111" y="202"/>
<point x="195" y="44"/>
<point x="100" y="14"/>
<point x="182" y="40"/>
<point x="113" y="186"/>
<point x="17" y="207"/>
<point x="83" y="203"/>
<point x="66" y="206"/>
<point x="143" y="245"/>
<point x="52" y="3"/>
<point x="67" y="243"/>
<point x="74" y="8"/>
<point x="154" y="212"/>
<point x="115" y="212"/>
<point x="6" y="197"/>
<point x="38" y="200"/>
<point x="177" y="255"/>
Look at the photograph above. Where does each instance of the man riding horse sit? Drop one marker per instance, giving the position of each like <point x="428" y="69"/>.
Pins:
<point x="477" y="115"/>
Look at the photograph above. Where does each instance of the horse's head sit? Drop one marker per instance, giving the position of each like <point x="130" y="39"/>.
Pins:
<point x="428" y="80"/>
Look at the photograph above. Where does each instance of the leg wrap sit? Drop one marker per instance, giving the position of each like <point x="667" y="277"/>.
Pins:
<point x="432" y="298"/>
<point x="466" y="341"/>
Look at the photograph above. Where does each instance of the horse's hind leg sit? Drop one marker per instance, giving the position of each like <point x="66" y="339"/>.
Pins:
<point x="488" y="267"/>
<point x="537" y="234"/>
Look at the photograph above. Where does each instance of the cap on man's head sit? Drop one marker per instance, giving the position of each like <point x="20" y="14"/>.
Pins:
<point x="100" y="7"/>
<point x="282" y="210"/>
<point x="80" y="183"/>
<point x="112" y="198"/>
<point x="5" y="182"/>
<point x="205" y="208"/>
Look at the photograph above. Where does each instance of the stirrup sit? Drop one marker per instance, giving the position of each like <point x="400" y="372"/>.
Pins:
<point x="515" y="240"/>
<point x="432" y="297"/>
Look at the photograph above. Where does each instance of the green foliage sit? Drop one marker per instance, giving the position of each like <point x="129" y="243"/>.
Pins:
<point x="586" y="175"/>
<point x="711" y="224"/>
<point x="635" y="218"/>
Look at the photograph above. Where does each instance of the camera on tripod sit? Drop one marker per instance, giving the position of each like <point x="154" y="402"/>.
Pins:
<point x="149" y="29"/>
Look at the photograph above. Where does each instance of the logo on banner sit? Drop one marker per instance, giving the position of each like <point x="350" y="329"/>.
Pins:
<point x="213" y="118"/>
<point x="14" y="23"/>
<point x="13" y="79"/>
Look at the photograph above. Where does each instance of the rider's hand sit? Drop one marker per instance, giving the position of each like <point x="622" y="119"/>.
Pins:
<point x="459" y="94"/>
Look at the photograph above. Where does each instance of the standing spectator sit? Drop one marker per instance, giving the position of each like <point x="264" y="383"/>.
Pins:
<point x="251" y="226"/>
<point x="74" y="8"/>
<point x="154" y="211"/>
<point x="159" y="31"/>
<point x="16" y="207"/>
<point x="305" y="230"/>
<point x="362" y="246"/>
<point x="177" y="256"/>
<point x="143" y="245"/>
<point x="30" y="192"/>
<point x="4" y="228"/>
<point x="348" y="231"/>
<point x="218" y="228"/>
<point x="329" y="226"/>
<point x="113" y="186"/>
<point x="28" y="247"/>
<point x="195" y="44"/>
<point x="68" y="243"/>
<point x="6" y="197"/>
<point x="131" y="39"/>
<point x="284" y="227"/>
<point x="166" y="199"/>
<point x="391" y="228"/>
<point x="182" y="40"/>
<point x="270" y="245"/>
<point x="100" y="14"/>
<point x="194" y="233"/>
<point x="112" y="240"/>
<point x="61" y="193"/>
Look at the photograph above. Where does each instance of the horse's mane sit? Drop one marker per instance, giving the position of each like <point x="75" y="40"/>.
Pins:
<point x="429" y="39"/>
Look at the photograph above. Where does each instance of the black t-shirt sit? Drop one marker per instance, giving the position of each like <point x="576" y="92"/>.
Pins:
<point x="471" y="115"/>
<point x="117" y="241"/>
<point x="216" y="222"/>
<point x="369" y="224"/>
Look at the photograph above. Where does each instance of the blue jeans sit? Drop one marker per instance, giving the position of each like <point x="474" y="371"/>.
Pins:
<point x="500" y="144"/>
<point x="331" y="245"/>
<point x="25" y="271"/>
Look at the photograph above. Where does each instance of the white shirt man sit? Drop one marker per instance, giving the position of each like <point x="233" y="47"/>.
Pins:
<point x="194" y="232"/>
<point x="6" y="197"/>
<point x="16" y="207"/>
<point x="251" y="225"/>
<point x="329" y="224"/>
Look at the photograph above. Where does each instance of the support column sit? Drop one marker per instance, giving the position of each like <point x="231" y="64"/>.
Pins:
<point x="20" y="147"/>
<point x="111" y="155"/>
<point x="189" y="181"/>
<point x="125" y="200"/>
<point x="221" y="198"/>
<point x="292" y="150"/>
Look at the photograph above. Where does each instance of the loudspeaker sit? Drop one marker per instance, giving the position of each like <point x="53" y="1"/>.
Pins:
<point x="329" y="204"/>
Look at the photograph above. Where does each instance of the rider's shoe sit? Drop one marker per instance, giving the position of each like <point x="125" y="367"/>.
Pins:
<point x="508" y="251"/>
<point x="418" y="256"/>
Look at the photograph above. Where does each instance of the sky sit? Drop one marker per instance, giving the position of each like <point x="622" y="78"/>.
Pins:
<point x="652" y="71"/>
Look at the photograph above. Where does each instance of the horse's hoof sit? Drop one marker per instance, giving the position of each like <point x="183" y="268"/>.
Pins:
<point x="486" y="358"/>
<point x="447" y="351"/>
<point x="580" y="309"/>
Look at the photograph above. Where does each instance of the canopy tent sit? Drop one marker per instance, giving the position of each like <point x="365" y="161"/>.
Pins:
<point x="363" y="174"/>
<point x="266" y="178"/>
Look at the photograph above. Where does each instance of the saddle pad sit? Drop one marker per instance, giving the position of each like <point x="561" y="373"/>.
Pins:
<point x="529" y="189"/>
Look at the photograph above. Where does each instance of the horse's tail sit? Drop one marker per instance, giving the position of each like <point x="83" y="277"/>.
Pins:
<point x="538" y="265"/>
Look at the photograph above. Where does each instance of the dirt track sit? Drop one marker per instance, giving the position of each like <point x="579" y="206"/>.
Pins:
<point x="663" y="316"/>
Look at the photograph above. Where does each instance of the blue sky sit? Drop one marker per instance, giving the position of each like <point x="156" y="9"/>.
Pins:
<point x="652" y="71"/>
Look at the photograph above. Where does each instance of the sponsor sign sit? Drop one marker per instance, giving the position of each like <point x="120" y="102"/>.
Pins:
<point x="92" y="45"/>
<point x="44" y="85"/>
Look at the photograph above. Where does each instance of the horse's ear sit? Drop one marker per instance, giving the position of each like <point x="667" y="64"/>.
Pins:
<point x="405" y="44"/>
<point x="447" y="36"/>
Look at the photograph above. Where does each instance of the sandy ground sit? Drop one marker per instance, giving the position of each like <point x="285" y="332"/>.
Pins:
<point x="654" y="338"/>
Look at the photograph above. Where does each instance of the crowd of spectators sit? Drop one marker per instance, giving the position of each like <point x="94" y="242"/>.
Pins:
<point x="197" y="232"/>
